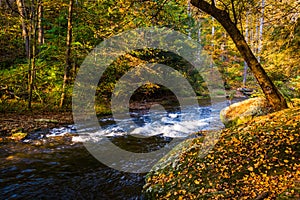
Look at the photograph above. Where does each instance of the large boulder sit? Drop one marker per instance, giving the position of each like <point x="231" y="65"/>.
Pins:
<point x="242" y="112"/>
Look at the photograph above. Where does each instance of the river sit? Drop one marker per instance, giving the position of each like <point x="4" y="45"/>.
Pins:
<point x="56" y="165"/>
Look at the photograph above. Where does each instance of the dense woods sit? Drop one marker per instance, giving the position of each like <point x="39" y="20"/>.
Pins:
<point x="44" y="42"/>
<point x="254" y="44"/>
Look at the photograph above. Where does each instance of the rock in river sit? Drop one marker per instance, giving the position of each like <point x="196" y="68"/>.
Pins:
<point x="242" y="112"/>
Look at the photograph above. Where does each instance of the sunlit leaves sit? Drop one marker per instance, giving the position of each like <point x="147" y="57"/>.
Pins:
<point x="258" y="159"/>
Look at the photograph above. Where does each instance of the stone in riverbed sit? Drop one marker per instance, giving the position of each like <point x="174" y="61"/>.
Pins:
<point x="242" y="112"/>
<point x="18" y="136"/>
<point x="46" y="120"/>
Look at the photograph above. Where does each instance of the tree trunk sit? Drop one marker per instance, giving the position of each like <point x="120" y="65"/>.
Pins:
<point x="261" y="25"/>
<point x="272" y="94"/>
<point x="246" y="38"/>
<point x="25" y="32"/>
<point x="212" y="42"/>
<point x="32" y="67"/>
<point x="190" y="16"/>
<point x="26" y="36"/>
<point x="68" y="54"/>
<point x="31" y="80"/>
<point x="40" y="24"/>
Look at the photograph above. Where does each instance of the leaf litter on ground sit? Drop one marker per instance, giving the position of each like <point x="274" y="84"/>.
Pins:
<point x="256" y="160"/>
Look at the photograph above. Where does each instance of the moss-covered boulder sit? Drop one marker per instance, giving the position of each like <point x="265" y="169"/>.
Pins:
<point x="257" y="160"/>
<point x="242" y="112"/>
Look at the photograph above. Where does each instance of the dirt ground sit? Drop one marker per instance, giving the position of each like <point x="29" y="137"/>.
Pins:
<point x="25" y="123"/>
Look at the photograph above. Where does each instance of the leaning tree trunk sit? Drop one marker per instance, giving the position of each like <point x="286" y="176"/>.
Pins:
<point x="272" y="94"/>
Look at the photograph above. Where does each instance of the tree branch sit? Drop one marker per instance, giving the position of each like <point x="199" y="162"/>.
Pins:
<point x="16" y="11"/>
<point x="213" y="3"/>
<point x="211" y="10"/>
<point x="272" y="94"/>
<point x="225" y="6"/>
<point x="233" y="11"/>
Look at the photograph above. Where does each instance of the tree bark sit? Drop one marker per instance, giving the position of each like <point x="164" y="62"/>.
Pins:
<point x="32" y="64"/>
<point x="41" y="39"/>
<point x="261" y="25"/>
<point x="246" y="38"/>
<point x="68" y="54"/>
<point x="272" y="94"/>
<point x="25" y="32"/>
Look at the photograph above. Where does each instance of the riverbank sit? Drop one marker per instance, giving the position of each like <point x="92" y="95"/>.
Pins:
<point x="15" y="120"/>
<point x="256" y="160"/>
<point x="26" y="122"/>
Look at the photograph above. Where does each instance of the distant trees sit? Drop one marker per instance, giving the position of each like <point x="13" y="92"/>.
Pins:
<point x="42" y="43"/>
<point x="68" y="64"/>
<point x="31" y="20"/>
<point x="58" y="34"/>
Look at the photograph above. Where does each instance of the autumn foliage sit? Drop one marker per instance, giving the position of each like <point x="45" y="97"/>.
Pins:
<point x="257" y="160"/>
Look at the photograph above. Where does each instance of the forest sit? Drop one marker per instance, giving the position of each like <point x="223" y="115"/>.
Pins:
<point x="254" y="46"/>
<point x="43" y="44"/>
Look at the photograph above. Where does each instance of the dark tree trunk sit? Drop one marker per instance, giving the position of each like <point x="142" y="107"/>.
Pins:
<point x="272" y="94"/>
<point x="68" y="54"/>
<point x="26" y="30"/>
<point x="32" y="64"/>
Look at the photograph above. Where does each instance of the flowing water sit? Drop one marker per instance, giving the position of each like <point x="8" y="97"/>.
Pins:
<point x="46" y="167"/>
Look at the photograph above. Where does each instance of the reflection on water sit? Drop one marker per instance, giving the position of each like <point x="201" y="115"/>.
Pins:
<point x="47" y="167"/>
<point x="68" y="171"/>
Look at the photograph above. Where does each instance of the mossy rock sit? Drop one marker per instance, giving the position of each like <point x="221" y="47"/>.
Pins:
<point x="242" y="112"/>
<point x="259" y="156"/>
<point x="172" y="158"/>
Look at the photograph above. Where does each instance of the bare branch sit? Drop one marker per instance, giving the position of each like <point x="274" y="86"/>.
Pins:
<point x="225" y="6"/>
<point x="233" y="12"/>
<point x="12" y="9"/>
<point x="213" y="3"/>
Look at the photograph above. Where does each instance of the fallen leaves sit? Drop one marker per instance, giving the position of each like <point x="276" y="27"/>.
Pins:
<point x="250" y="169"/>
<point x="249" y="161"/>
<point x="12" y="123"/>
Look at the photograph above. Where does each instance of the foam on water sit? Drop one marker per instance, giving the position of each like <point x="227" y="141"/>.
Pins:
<point x="147" y="124"/>
<point x="157" y="122"/>
<point x="61" y="131"/>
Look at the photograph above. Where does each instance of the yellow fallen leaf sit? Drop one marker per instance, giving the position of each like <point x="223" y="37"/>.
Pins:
<point x="10" y="157"/>
<point x="287" y="151"/>
<point x="18" y="136"/>
<point x="168" y="195"/>
<point x="182" y="191"/>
